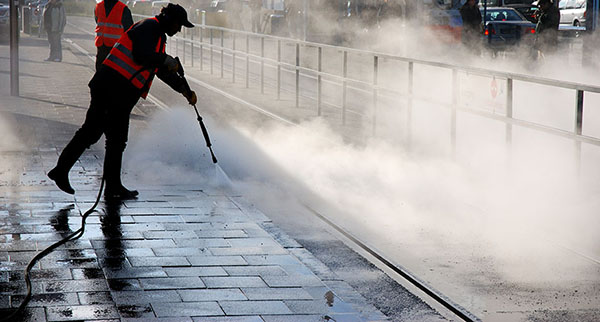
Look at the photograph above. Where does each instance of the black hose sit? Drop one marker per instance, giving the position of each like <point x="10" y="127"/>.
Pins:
<point x="75" y="235"/>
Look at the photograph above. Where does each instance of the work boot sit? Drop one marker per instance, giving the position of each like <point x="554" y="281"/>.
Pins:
<point x="61" y="178"/>
<point x="112" y="175"/>
<point x="66" y="160"/>
<point x="120" y="193"/>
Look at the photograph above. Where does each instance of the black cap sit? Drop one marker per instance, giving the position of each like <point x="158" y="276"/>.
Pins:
<point x="177" y="14"/>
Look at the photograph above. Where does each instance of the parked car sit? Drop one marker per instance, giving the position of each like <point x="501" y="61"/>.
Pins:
<point x="506" y="27"/>
<point x="524" y="7"/>
<point x="572" y="12"/>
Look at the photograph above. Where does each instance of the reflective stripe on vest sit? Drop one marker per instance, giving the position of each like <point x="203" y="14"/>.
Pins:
<point x="121" y="59"/>
<point x="108" y="28"/>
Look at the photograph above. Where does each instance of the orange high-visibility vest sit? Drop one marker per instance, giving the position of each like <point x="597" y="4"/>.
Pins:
<point x="108" y="29"/>
<point x="121" y="60"/>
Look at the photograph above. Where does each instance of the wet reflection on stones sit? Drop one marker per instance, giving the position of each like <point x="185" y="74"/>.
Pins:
<point x="111" y="228"/>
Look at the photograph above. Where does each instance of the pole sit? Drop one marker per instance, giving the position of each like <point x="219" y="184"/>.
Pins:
<point x="14" y="47"/>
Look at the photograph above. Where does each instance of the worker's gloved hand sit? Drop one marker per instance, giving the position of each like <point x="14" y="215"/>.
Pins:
<point x="171" y="64"/>
<point x="191" y="97"/>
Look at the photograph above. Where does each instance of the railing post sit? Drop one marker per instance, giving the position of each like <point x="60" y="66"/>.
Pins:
<point x="319" y="81"/>
<point x="344" y="85"/>
<point x="278" y="69"/>
<point x="297" y="74"/>
<point x="579" y="112"/>
<point x="578" y="127"/>
<point x="375" y="72"/>
<point x="192" y="48"/>
<point x="247" y="60"/>
<point x="509" y="110"/>
<point x="222" y="46"/>
<point x="202" y="48"/>
<point x="233" y="59"/>
<point x="409" y="104"/>
<point x="211" y="51"/>
<point x="455" y="95"/>
<point x="262" y="64"/>
<point x="183" y="55"/>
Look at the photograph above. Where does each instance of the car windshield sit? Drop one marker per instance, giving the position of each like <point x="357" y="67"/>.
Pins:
<point x="502" y="15"/>
<point x="4" y="2"/>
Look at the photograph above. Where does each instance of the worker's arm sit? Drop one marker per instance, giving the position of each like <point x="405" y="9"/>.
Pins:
<point x="126" y="19"/>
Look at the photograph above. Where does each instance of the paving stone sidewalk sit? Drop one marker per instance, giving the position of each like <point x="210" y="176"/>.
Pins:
<point x="179" y="252"/>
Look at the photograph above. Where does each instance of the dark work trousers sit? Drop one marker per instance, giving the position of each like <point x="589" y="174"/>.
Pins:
<point x="101" y="54"/>
<point x="113" y="98"/>
<point x="55" y="45"/>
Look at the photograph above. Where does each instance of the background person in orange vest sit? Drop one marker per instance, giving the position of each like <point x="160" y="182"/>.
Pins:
<point x="113" y="18"/>
<point x="125" y="75"/>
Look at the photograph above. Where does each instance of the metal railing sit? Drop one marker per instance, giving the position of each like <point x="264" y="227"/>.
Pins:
<point x="195" y="38"/>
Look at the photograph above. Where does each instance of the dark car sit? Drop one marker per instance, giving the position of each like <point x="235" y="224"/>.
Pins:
<point x="506" y="27"/>
<point x="524" y="7"/>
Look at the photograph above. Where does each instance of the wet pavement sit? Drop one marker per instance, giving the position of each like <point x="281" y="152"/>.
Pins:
<point x="180" y="252"/>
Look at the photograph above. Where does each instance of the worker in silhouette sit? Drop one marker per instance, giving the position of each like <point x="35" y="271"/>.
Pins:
<point x="546" y="30"/>
<point x="125" y="75"/>
<point x="471" y="30"/>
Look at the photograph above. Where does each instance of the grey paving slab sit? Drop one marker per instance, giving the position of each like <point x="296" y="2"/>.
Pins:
<point x="187" y="309"/>
<point x="260" y="250"/>
<point x="159" y="261"/>
<point x="233" y="281"/>
<point x="196" y="271"/>
<point x="229" y="294"/>
<point x="203" y="242"/>
<point x="139" y="311"/>
<point x="217" y="260"/>
<point x="135" y="297"/>
<point x="47" y="299"/>
<point x="280" y="293"/>
<point x="76" y="286"/>
<point x="81" y="312"/>
<point x="166" y="283"/>
<point x="254" y="270"/>
<point x="94" y="298"/>
<point x="181" y="251"/>
<point x="254" y="307"/>
<point x="231" y="319"/>
<point x="297" y="318"/>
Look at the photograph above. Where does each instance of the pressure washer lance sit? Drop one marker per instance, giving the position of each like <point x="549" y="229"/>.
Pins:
<point x="181" y="74"/>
